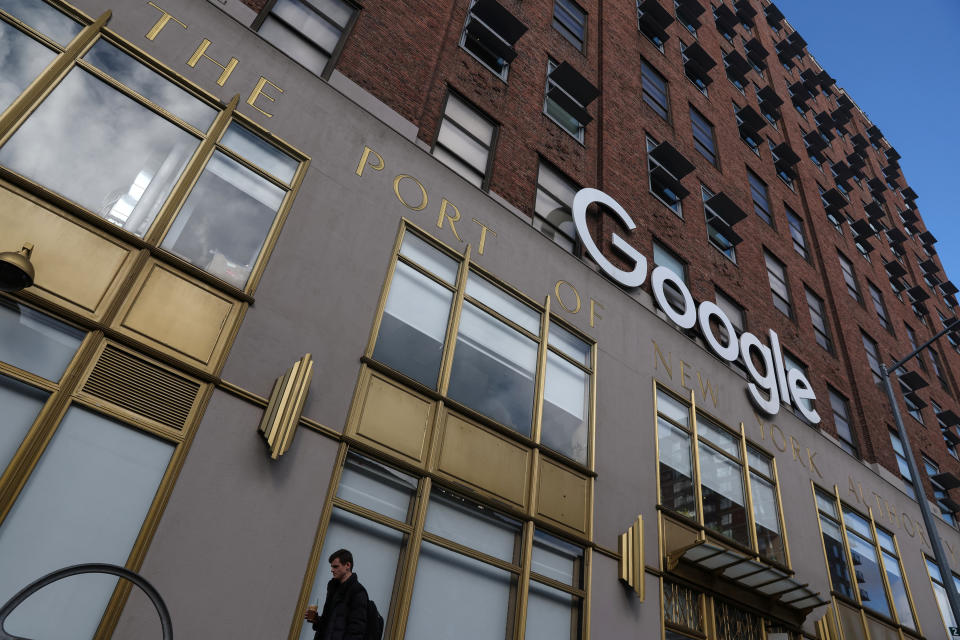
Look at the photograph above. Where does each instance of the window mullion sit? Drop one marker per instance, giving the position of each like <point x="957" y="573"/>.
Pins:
<point x="523" y="590"/>
<point x="541" y="374"/>
<point x="191" y="173"/>
<point x="851" y="568"/>
<point x="695" y="443"/>
<point x="453" y="324"/>
<point x="783" y="524"/>
<point x="745" y="471"/>
<point x="409" y="570"/>
<point x="49" y="77"/>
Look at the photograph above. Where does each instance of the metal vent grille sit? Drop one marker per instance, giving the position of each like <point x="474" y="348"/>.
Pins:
<point x="142" y="387"/>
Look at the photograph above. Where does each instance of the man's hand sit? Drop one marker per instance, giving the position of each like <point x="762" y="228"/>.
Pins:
<point x="311" y="615"/>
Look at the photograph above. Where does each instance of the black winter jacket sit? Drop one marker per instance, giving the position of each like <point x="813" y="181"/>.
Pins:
<point x="344" y="615"/>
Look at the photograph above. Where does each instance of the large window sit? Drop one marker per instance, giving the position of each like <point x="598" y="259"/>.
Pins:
<point x="903" y="466"/>
<point x="939" y="492"/>
<point x="685" y="436"/>
<point x="465" y="141"/>
<point x="552" y="210"/>
<point x="758" y="192"/>
<point x="703" y="138"/>
<point x="943" y="603"/>
<point x="849" y="278"/>
<point x="571" y="21"/>
<point x="719" y="232"/>
<point x="309" y="31"/>
<point x="654" y="90"/>
<point x="863" y="561"/>
<point x="841" y="421"/>
<point x="241" y="184"/>
<point x="873" y="356"/>
<point x="796" y="233"/>
<point x="377" y="511"/>
<point x="818" y="318"/>
<point x="777" y="276"/>
<point x="879" y="307"/>
<point x="566" y="98"/>
<point x="499" y="350"/>
<point x="489" y="35"/>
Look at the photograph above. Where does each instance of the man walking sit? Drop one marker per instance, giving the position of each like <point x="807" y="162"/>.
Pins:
<point x="344" y="614"/>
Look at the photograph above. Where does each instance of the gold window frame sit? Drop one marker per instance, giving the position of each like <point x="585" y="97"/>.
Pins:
<point x="458" y="289"/>
<point x="69" y="57"/>
<point x="867" y="616"/>
<point x="697" y="522"/>
<point x="415" y="534"/>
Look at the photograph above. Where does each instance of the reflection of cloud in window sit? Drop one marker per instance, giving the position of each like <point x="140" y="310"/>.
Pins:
<point x="44" y="18"/>
<point x="22" y="59"/>
<point x="91" y="143"/>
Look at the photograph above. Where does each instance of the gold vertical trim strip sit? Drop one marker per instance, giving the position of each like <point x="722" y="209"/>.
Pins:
<point x="49" y="77"/>
<point x="540" y="375"/>
<point x="587" y="587"/>
<point x="385" y="291"/>
<point x="846" y="541"/>
<point x="695" y="444"/>
<point x="747" y="479"/>
<point x="453" y="323"/>
<point x="190" y="175"/>
<point x="906" y="585"/>
<point x="592" y="426"/>
<point x="523" y="590"/>
<point x="322" y="525"/>
<point x="656" y="447"/>
<point x="279" y="423"/>
<point x="782" y="514"/>
<point x="631" y="564"/>
<point x="409" y="571"/>
<point x="883" y="568"/>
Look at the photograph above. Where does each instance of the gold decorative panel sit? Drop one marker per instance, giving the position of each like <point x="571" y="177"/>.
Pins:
<point x="143" y="387"/>
<point x="76" y="266"/>
<point x="676" y="536"/>
<point x="394" y="417"/>
<point x="682" y="606"/>
<point x="563" y="496"/>
<point x="179" y="315"/>
<point x="850" y="621"/>
<point x="485" y="460"/>
<point x="881" y="631"/>
<point x="282" y="415"/>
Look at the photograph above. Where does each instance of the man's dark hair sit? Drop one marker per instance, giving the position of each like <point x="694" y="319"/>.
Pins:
<point x="344" y="556"/>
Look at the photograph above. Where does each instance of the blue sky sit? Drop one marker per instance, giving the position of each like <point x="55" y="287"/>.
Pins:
<point x="900" y="62"/>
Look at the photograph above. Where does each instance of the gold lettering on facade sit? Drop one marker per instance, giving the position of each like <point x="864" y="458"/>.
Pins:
<point x="708" y="388"/>
<point x="891" y="513"/>
<point x="161" y="23"/>
<point x="423" y="192"/>
<point x="201" y="52"/>
<point x="666" y="365"/>
<point x="258" y="91"/>
<point x="593" y="312"/>
<point x="813" y="465"/>
<point x="576" y="295"/>
<point x="483" y="235"/>
<point x="912" y="531"/>
<point x="365" y="161"/>
<point x="795" y="447"/>
<point x="950" y="550"/>
<point x="684" y="375"/>
<point x="446" y="216"/>
<point x="774" y="430"/>
<point x="853" y="489"/>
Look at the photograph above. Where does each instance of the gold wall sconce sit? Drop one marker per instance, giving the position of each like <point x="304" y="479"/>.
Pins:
<point x="16" y="270"/>
<point x="280" y="419"/>
<point x="631" y="557"/>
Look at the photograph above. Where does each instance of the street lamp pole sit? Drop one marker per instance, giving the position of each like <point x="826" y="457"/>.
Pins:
<point x="946" y="574"/>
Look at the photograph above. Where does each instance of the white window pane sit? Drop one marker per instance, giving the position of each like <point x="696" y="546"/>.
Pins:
<point x="36" y="342"/>
<point x="721" y="476"/>
<point x="293" y="44"/>
<point x="493" y="369"/>
<point x="260" y="152"/>
<point x="461" y="145"/>
<point x="558" y="186"/>
<point x="22" y="59"/>
<point x="567" y="396"/>
<point x="551" y="613"/>
<point x="225" y="220"/>
<point x="44" y="18"/>
<point x="314" y="28"/>
<point x="336" y="10"/>
<point x="428" y="257"/>
<point x="663" y="258"/>
<point x="376" y="556"/>
<point x="672" y="409"/>
<point x="469" y="119"/>
<point x="150" y="84"/>
<point x="503" y="303"/>
<point x="468" y="173"/>
<point x="21" y="404"/>
<point x="554" y="558"/>
<point x="724" y="440"/>
<point x="125" y="182"/>
<point x="764" y="504"/>
<point x="759" y="461"/>
<point x="377" y="487"/>
<point x="413" y="326"/>
<point x="474" y="609"/>
<point x="85" y="502"/>
<point x="569" y="344"/>
<point x="461" y="520"/>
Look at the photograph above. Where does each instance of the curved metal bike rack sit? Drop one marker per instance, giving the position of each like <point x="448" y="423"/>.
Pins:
<point x="76" y="569"/>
